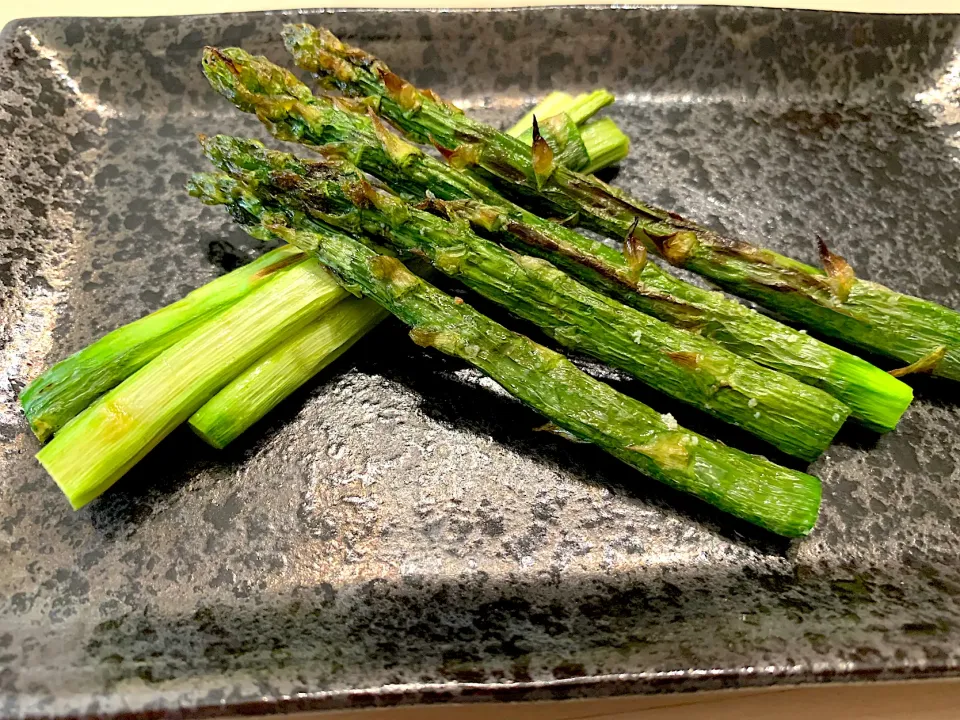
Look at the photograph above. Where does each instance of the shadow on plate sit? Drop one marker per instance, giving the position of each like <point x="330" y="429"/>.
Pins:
<point x="626" y="632"/>
<point x="448" y="393"/>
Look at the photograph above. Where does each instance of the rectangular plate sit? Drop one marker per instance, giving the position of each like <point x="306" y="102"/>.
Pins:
<point x="397" y="532"/>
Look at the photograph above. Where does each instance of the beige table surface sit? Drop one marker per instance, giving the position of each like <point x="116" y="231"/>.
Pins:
<point x="936" y="700"/>
<point x="10" y="9"/>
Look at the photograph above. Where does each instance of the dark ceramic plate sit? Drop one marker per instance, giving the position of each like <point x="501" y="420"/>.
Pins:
<point x="397" y="532"/>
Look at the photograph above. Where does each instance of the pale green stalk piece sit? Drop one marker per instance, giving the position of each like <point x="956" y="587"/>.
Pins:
<point x="553" y="104"/>
<point x="586" y="105"/>
<point x="95" y="449"/>
<point x="605" y="142"/>
<point x="67" y="388"/>
<point x="562" y="122"/>
<point x="578" y="110"/>
<point x="269" y="380"/>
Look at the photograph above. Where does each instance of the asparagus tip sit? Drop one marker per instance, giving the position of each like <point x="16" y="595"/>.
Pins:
<point x="542" y="156"/>
<point x="840" y="275"/>
<point x="927" y="364"/>
<point x="634" y="251"/>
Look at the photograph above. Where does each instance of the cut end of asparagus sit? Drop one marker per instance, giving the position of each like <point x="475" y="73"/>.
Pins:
<point x="880" y="399"/>
<point x="801" y="514"/>
<point x="43" y="430"/>
<point x="64" y="475"/>
<point x="606" y="144"/>
<point x="77" y="457"/>
<point x="263" y="385"/>
<point x="586" y="105"/>
<point x="211" y="434"/>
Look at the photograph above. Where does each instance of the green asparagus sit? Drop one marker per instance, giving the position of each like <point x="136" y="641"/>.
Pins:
<point x="780" y="500"/>
<point x="794" y="417"/>
<point x="291" y="112"/>
<point x="832" y="301"/>
<point x="259" y="388"/>
<point x="578" y="109"/>
<point x="95" y="448"/>
<point x="71" y="385"/>
<point x="605" y="142"/>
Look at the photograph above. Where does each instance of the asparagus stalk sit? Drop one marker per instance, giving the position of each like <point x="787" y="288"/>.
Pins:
<point x="794" y="417"/>
<point x="780" y="500"/>
<point x="605" y="142"/>
<point x="73" y="384"/>
<point x="568" y="142"/>
<point x="832" y="301"/>
<point x="583" y="107"/>
<point x="269" y="380"/>
<point x="291" y="112"/>
<point x="578" y="110"/>
<point x="579" y="145"/>
<point x="99" y="445"/>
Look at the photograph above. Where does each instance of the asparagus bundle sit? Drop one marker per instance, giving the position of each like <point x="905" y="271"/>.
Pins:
<point x="68" y="387"/>
<point x="832" y="301"/>
<point x="291" y="112"/>
<point x="781" y="500"/>
<point x="794" y="417"/>
<point x="95" y="448"/>
<point x="99" y="444"/>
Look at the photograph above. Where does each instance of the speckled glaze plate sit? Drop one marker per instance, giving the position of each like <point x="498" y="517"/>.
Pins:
<point x="397" y="532"/>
